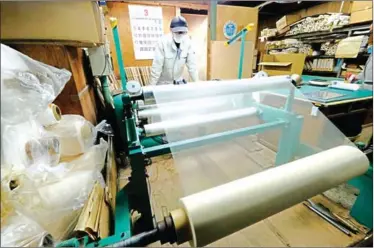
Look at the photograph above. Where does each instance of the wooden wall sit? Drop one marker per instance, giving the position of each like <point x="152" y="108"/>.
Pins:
<point x="242" y="16"/>
<point x="120" y="10"/>
<point x="77" y="97"/>
<point x="198" y="30"/>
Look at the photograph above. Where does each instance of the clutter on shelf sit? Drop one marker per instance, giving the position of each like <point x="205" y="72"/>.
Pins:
<point x="330" y="47"/>
<point x="288" y="46"/>
<point x="49" y="162"/>
<point x="268" y="32"/>
<point x="320" y="65"/>
<point x="319" y="23"/>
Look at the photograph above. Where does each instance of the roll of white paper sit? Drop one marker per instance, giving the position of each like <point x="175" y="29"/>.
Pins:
<point x="212" y="88"/>
<point x="345" y="86"/>
<point x="50" y="116"/>
<point x="193" y="120"/>
<point x="220" y="211"/>
<point x="74" y="133"/>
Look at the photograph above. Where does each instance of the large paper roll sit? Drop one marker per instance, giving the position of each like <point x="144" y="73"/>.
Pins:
<point x="194" y="120"/>
<point x="43" y="149"/>
<point x="212" y="88"/>
<point x="74" y="133"/>
<point x="218" y="212"/>
<point x="51" y="116"/>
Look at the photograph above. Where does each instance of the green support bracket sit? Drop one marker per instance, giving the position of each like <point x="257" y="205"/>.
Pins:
<point x="106" y="91"/>
<point x="123" y="217"/>
<point x="117" y="44"/>
<point x="241" y="34"/>
<point x="289" y="141"/>
<point x="120" y="118"/>
<point x="217" y="137"/>
<point x="241" y="58"/>
<point x="213" y="19"/>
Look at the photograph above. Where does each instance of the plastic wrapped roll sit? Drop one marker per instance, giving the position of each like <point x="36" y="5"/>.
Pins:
<point x="212" y="88"/>
<point x="27" y="86"/>
<point x="179" y="108"/>
<point x="43" y="147"/>
<point x="51" y="116"/>
<point x="75" y="134"/>
<point x="22" y="231"/>
<point x="27" y="144"/>
<point x="218" y="212"/>
<point x="160" y="127"/>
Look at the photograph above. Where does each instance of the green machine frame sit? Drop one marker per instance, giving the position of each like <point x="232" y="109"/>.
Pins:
<point x="139" y="149"/>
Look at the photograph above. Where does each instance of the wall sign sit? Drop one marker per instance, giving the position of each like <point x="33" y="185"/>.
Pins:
<point x="146" y="28"/>
<point x="229" y="29"/>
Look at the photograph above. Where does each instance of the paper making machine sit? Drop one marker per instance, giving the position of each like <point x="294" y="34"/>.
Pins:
<point x="215" y="213"/>
<point x="195" y="221"/>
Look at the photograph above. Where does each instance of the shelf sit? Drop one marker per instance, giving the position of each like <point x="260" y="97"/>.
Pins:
<point x="318" y="34"/>
<point x="283" y="64"/>
<point x="319" y="72"/>
<point x="321" y="57"/>
<point x="360" y="55"/>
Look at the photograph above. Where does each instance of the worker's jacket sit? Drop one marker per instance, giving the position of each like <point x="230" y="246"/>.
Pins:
<point x="168" y="63"/>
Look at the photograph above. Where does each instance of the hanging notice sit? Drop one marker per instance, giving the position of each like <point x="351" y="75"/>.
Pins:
<point x="146" y="29"/>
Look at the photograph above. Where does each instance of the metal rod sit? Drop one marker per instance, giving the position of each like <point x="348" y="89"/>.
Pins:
<point x="117" y="44"/>
<point x="218" y="137"/>
<point x="290" y="99"/>
<point x="241" y="58"/>
<point x="342" y="229"/>
<point x="260" y="6"/>
<point x="341" y="7"/>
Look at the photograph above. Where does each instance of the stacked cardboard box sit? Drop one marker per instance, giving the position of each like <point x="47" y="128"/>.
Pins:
<point x="361" y="11"/>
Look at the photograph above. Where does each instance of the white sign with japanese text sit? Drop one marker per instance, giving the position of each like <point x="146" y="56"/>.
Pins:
<point x="146" y="28"/>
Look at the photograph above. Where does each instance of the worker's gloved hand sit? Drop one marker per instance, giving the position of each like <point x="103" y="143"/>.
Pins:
<point x="177" y="82"/>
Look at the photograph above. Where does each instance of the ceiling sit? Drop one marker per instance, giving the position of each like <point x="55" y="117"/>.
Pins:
<point x="273" y="9"/>
<point x="276" y="8"/>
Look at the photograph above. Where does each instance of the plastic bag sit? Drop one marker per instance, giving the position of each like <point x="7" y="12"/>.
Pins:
<point x="55" y="197"/>
<point x="26" y="144"/>
<point x="27" y="85"/>
<point x="75" y="134"/>
<point x="23" y="231"/>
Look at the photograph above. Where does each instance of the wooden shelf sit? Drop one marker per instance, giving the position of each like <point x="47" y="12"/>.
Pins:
<point x="319" y="35"/>
<point x="284" y="64"/>
<point x="321" y="57"/>
<point x="319" y="72"/>
<point x="360" y="55"/>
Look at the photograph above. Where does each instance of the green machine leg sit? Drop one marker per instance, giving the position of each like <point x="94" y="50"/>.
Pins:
<point x="362" y="210"/>
<point x="289" y="140"/>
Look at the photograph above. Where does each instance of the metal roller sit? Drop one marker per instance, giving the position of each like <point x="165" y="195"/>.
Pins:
<point x="165" y="93"/>
<point x="182" y="108"/>
<point x="220" y="211"/>
<point x="172" y="125"/>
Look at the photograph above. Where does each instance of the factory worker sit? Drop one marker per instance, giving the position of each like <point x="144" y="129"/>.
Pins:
<point x="172" y="53"/>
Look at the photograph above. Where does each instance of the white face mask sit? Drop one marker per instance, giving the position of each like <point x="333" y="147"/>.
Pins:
<point x="178" y="38"/>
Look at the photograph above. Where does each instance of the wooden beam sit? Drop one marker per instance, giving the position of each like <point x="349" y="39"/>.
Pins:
<point x="180" y="4"/>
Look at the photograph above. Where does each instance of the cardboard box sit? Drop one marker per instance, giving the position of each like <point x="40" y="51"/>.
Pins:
<point x="361" y="16"/>
<point x="60" y="21"/>
<point x="361" y="5"/>
<point x="286" y="21"/>
<point x="284" y="30"/>
<point x="282" y="64"/>
<point x="329" y="7"/>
